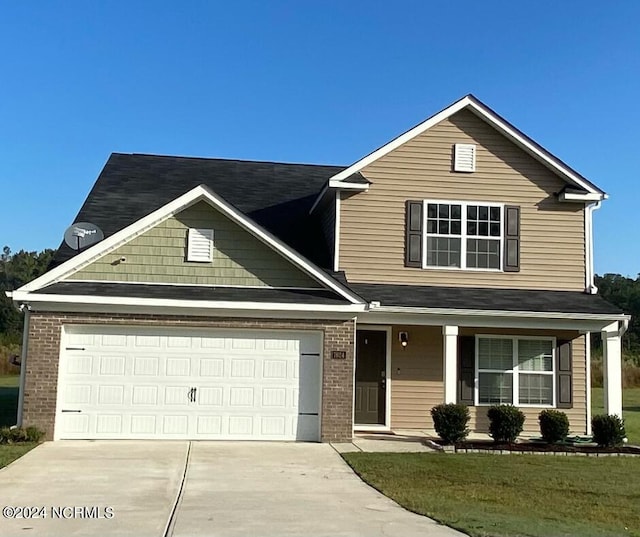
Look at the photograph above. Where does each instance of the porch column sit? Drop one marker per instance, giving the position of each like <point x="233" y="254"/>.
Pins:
<point x="612" y="357"/>
<point x="450" y="369"/>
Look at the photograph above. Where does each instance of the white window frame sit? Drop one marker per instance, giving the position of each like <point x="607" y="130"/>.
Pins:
<point x="206" y="233"/>
<point x="515" y="370"/>
<point x="463" y="235"/>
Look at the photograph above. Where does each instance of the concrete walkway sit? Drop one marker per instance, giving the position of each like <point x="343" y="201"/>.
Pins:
<point x="229" y="489"/>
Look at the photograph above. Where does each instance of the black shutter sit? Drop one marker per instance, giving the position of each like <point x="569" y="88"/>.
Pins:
<point x="413" y="234"/>
<point x="511" y="238"/>
<point x="466" y="369"/>
<point x="564" y="380"/>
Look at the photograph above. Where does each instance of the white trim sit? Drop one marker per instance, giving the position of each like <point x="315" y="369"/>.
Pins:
<point x="515" y="370"/>
<point x="56" y="420"/>
<point x="502" y="313"/>
<point x="587" y="354"/>
<point x="450" y="365"/>
<point x="486" y="114"/>
<point x="387" y="395"/>
<point x="199" y="193"/>
<point x="21" y="296"/>
<point x="204" y="285"/>
<point x="23" y="366"/>
<point x="348" y="186"/>
<point x="336" y="234"/>
<point x="580" y="198"/>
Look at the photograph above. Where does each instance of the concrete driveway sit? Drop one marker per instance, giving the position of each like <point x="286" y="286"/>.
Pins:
<point x="228" y="489"/>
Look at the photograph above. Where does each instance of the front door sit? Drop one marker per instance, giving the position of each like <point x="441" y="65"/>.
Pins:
<point x="371" y="362"/>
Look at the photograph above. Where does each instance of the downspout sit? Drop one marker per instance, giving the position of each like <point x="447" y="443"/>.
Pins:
<point x="590" y="286"/>
<point x="588" y="379"/>
<point x="23" y="361"/>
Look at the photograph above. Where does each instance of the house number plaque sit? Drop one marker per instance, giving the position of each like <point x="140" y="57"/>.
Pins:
<point x="339" y="355"/>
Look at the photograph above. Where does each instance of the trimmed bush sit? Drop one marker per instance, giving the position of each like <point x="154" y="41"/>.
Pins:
<point x="505" y="423"/>
<point x="18" y="435"/>
<point x="608" y="431"/>
<point x="554" y="426"/>
<point x="450" y="422"/>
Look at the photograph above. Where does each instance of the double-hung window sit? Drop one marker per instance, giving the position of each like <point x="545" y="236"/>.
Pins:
<point x="515" y="370"/>
<point x="464" y="235"/>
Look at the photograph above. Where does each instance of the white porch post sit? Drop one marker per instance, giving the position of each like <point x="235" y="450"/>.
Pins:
<point x="612" y="356"/>
<point x="450" y="345"/>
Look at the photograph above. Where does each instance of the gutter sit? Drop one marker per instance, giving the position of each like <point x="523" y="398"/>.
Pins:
<point x="23" y="362"/>
<point x="590" y="286"/>
<point x="375" y="307"/>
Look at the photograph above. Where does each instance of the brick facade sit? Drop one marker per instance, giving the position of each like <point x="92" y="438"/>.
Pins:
<point x="44" y="351"/>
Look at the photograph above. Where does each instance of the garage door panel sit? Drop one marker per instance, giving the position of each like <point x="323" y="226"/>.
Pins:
<point x="248" y="384"/>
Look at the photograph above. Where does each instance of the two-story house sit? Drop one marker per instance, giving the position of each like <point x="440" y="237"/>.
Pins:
<point x="257" y="300"/>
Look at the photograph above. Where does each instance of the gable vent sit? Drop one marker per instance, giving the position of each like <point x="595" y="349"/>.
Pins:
<point x="200" y="245"/>
<point x="464" y="159"/>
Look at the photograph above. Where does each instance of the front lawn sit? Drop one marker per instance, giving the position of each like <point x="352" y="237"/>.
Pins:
<point x="8" y="454"/>
<point x="511" y="495"/>
<point x="630" y="410"/>
<point x="8" y="399"/>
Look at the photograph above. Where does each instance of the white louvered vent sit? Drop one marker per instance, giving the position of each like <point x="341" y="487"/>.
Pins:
<point x="464" y="159"/>
<point x="200" y="245"/>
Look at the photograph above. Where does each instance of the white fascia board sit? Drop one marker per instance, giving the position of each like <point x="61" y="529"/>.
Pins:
<point x="491" y="118"/>
<point x="482" y="321"/>
<point x="198" y="193"/>
<point x="503" y="313"/>
<point x="588" y="197"/>
<point x="348" y="186"/>
<point x="35" y="299"/>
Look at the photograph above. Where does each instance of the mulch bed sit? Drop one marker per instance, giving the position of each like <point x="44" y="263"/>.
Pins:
<point x="538" y="447"/>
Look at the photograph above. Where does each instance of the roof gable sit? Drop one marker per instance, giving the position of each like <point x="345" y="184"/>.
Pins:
<point x="469" y="102"/>
<point x="199" y="193"/>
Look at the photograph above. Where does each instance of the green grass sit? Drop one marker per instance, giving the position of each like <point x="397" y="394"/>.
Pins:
<point x="511" y="495"/>
<point x="630" y="410"/>
<point x="8" y="399"/>
<point x="8" y="454"/>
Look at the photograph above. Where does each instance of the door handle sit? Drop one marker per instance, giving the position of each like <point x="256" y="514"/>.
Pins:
<point x="195" y="391"/>
<point x="190" y="395"/>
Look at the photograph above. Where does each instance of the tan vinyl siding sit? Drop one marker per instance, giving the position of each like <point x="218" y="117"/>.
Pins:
<point x="417" y="383"/>
<point x="372" y="223"/>
<point x="416" y="376"/>
<point x="158" y="256"/>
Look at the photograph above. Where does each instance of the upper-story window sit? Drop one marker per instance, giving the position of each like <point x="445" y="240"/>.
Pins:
<point x="467" y="235"/>
<point x="463" y="235"/>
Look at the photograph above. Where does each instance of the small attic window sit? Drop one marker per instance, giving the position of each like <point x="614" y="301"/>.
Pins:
<point x="464" y="158"/>
<point x="200" y="245"/>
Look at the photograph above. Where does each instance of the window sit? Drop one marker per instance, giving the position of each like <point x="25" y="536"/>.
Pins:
<point x="200" y="245"/>
<point x="518" y="371"/>
<point x="463" y="235"/>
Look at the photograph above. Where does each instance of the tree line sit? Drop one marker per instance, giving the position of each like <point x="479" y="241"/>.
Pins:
<point x="18" y="268"/>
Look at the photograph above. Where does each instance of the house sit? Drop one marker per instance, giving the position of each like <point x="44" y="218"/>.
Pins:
<point x="256" y="300"/>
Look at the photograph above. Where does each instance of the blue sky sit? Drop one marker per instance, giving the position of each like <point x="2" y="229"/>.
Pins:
<point x="319" y="82"/>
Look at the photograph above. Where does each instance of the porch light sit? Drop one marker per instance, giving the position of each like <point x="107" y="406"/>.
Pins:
<point x="404" y="338"/>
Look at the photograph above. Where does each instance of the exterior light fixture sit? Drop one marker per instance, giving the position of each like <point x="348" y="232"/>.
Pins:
<point x="404" y="339"/>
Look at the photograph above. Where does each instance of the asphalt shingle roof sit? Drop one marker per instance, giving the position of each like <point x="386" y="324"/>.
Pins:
<point x="276" y="196"/>
<point x="186" y="292"/>
<point x="417" y="296"/>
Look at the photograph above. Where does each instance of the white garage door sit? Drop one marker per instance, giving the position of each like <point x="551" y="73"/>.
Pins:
<point x="135" y="382"/>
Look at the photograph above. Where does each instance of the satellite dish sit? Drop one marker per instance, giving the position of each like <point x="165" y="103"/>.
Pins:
<point x="81" y="235"/>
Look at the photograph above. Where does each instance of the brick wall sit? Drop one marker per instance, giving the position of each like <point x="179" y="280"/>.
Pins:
<point x="44" y="348"/>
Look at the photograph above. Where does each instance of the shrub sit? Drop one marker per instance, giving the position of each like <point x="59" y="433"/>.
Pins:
<point x="18" y="434"/>
<point x="608" y="431"/>
<point x="505" y="423"/>
<point x="450" y="422"/>
<point x="554" y="425"/>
